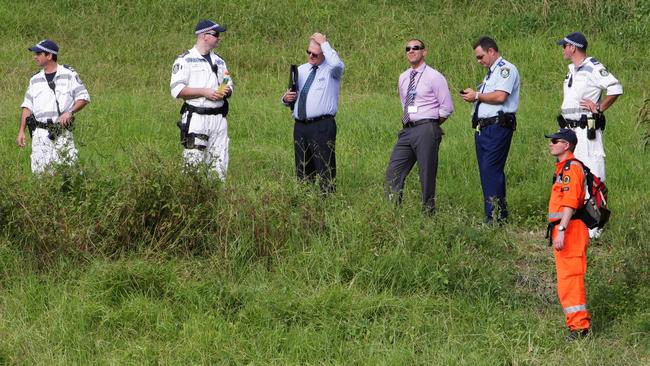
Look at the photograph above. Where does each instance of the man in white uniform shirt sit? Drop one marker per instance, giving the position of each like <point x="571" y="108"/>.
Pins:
<point x="582" y="107"/>
<point x="200" y="77"/>
<point x="583" y="85"/>
<point x="53" y="97"/>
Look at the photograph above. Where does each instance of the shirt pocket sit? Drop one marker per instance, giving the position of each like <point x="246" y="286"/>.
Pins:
<point x="319" y="83"/>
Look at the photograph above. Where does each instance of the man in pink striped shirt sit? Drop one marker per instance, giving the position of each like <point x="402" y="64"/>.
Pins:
<point x="426" y="104"/>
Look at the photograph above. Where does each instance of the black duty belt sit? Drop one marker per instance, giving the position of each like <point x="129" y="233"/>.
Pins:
<point x="39" y="124"/>
<point x="420" y="122"/>
<point x="200" y="110"/>
<point x="507" y="120"/>
<point x="599" y="121"/>
<point x="315" y="119"/>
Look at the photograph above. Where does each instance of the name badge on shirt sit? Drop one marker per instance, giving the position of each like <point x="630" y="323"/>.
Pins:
<point x="412" y="109"/>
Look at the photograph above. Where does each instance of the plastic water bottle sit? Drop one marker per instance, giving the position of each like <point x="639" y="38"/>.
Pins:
<point x="224" y="83"/>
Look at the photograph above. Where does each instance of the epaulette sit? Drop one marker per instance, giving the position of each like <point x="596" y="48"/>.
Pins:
<point x="69" y="68"/>
<point x="218" y="55"/>
<point x="501" y="63"/>
<point x="183" y="54"/>
<point x="594" y="61"/>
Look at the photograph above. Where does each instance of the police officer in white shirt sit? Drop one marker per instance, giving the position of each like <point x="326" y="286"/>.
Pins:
<point x="583" y="107"/>
<point x="200" y="77"/>
<point x="53" y="97"/>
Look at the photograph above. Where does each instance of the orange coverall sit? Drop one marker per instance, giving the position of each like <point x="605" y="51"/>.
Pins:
<point x="571" y="261"/>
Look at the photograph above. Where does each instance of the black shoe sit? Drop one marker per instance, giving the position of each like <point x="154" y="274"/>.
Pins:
<point x="575" y="335"/>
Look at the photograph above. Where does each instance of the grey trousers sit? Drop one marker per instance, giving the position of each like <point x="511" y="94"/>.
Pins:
<point x="421" y="144"/>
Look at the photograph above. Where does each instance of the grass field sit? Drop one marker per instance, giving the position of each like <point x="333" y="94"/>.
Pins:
<point x="135" y="263"/>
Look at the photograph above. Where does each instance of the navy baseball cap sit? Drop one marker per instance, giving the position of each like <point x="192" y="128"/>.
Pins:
<point x="565" y="134"/>
<point x="45" y="45"/>
<point x="206" y="25"/>
<point x="576" y="38"/>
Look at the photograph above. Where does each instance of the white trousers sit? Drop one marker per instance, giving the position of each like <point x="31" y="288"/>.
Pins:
<point x="591" y="152"/>
<point x="47" y="153"/>
<point x="215" y="154"/>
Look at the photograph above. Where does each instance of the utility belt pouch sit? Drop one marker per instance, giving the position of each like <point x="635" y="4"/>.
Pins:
<point x="185" y="127"/>
<point x="31" y="125"/>
<point x="582" y="123"/>
<point x="601" y="121"/>
<point x="190" y="140"/>
<point x="561" y="121"/>
<point x="54" y="130"/>
<point x="507" y="120"/>
<point x="591" y="128"/>
<point x="474" y="123"/>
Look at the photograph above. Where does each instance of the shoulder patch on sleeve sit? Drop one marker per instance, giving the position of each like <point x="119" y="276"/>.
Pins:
<point x="177" y="67"/>
<point x="566" y="179"/>
<point x="505" y="72"/>
<point x="76" y="76"/>
<point x="604" y="72"/>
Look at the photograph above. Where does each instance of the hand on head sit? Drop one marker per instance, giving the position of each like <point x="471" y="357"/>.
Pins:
<point x="319" y="38"/>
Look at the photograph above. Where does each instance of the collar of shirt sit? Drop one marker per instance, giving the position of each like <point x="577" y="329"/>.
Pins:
<point x="420" y="68"/>
<point x="495" y="65"/>
<point x="573" y="67"/>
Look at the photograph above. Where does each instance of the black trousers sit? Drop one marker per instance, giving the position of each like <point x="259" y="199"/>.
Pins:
<point x="420" y="143"/>
<point x="315" y="152"/>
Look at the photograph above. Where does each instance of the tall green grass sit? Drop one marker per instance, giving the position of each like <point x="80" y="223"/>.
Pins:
<point x="124" y="260"/>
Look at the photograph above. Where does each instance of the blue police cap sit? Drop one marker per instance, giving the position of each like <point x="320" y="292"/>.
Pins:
<point x="45" y="45"/>
<point x="576" y="38"/>
<point x="206" y="25"/>
<point x="565" y="134"/>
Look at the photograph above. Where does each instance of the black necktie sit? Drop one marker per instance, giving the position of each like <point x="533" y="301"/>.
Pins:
<point x="478" y="102"/>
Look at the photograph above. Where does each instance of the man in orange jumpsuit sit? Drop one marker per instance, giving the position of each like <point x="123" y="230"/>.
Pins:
<point x="570" y="237"/>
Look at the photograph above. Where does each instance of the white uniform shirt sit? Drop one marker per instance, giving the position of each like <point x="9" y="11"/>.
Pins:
<point x="41" y="100"/>
<point x="587" y="81"/>
<point x="192" y="70"/>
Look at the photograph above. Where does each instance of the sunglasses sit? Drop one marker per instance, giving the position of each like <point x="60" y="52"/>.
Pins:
<point x="313" y="54"/>
<point x="555" y="141"/>
<point x="215" y="34"/>
<point x="480" y="57"/>
<point x="413" y="48"/>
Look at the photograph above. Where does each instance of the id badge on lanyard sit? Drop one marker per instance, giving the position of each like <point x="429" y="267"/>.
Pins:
<point x="412" y="108"/>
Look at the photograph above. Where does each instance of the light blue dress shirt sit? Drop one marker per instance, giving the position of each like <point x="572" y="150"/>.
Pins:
<point x="502" y="76"/>
<point x="323" y="96"/>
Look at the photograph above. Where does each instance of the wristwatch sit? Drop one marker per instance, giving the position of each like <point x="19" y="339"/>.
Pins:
<point x="560" y="228"/>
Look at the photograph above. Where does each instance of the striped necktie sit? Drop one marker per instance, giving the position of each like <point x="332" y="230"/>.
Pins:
<point x="302" y="101"/>
<point x="410" y="98"/>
